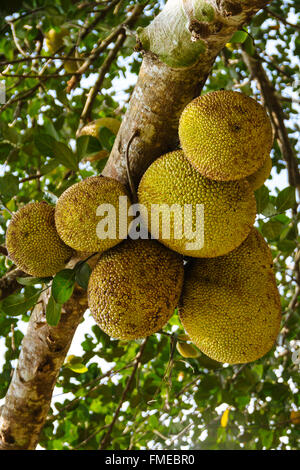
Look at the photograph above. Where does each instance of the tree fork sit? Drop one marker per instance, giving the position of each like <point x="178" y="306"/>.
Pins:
<point x="162" y="90"/>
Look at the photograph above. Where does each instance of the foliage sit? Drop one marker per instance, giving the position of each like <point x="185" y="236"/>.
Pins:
<point x="170" y="401"/>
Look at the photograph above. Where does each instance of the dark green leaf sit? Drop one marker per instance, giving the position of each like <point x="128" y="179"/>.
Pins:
<point x="83" y="272"/>
<point x="64" y="155"/>
<point x="18" y="304"/>
<point x="286" y="199"/>
<point x="9" y="187"/>
<point x="106" y="138"/>
<point x="63" y="285"/>
<point x="262" y="198"/>
<point x="53" y="312"/>
<point x="81" y="147"/>
<point x="31" y="281"/>
<point x="272" y="229"/>
<point x="45" y="144"/>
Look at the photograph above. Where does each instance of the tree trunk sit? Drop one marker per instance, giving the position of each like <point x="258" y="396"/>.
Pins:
<point x="165" y="85"/>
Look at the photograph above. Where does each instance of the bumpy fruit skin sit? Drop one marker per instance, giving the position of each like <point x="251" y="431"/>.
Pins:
<point x="257" y="179"/>
<point x="33" y="242"/>
<point x="230" y="306"/>
<point x="75" y="214"/>
<point x="226" y="135"/>
<point x="135" y="288"/>
<point x="229" y="206"/>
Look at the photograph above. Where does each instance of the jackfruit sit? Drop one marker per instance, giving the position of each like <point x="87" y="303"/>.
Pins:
<point x="229" y="207"/>
<point x="33" y="242"/>
<point x="226" y="135"/>
<point x="135" y="288"/>
<point x="77" y="214"/>
<point x="230" y="305"/>
<point x="257" y="179"/>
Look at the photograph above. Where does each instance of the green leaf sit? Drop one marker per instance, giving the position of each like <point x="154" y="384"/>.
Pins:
<point x="53" y="312"/>
<point x="48" y="167"/>
<point x="63" y="285"/>
<point x="239" y="36"/>
<point x="81" y="147"/>
<point x="31" y="281"/>
<point x="19" y="304"/>
<point x="249" y="46"/>
<point x="94" y="146"/>
<point x="106" y="138"/>
<point x="286" y="199"/>
<point x="77" y="367"/>
<point x="287" y="246"/>
<point x="272" y="229"/>
<point x="266" y="437"/>
<point x="50" y="147"/>
<point x="269" y="210"/>
<point x="45" y="144"/>
<point x="82" y="274"/>
<point x="64" y="155"/>
<point x="262" y="198"/>
<point x="9" y="187"/>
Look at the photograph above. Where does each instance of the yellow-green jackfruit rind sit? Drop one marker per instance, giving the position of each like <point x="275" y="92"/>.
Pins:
<point x="257" y="179"/>
<point x="33" y="243"/>
<point x="76" y="213"/>
<point x="226" y="135"/>
<point x="230" y="305"/>
<point x="229" y="207"/>
<point x="135" y="288"/>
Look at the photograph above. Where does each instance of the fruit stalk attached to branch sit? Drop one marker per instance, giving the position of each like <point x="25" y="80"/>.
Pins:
<point x="180" y="47"/>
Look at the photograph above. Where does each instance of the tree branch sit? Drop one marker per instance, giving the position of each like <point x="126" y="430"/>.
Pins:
<point x="274" y="108"/>
<point x="9" y="283"/>
<point x="137" y="362"/>
<point x="43" y="352"/>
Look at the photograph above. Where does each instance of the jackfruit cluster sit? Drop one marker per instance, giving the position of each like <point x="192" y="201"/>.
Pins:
<point x="229" y="305"/>
<point x="228" y="300"/>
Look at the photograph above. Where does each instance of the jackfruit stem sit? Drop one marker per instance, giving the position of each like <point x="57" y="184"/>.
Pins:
<point x="132" y="187"/>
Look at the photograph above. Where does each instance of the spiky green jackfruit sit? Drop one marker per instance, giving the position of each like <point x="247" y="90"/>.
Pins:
<point x="33" y="242"/>
<point x="226" y="135"/>
<point x="135" y="288"/>
<point x="230" y="305"/>
<point x="229" y="208"/>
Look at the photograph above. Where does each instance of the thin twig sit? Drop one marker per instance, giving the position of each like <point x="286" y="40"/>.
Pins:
<point x="137" y="362"/>
<point x="281" y="19"/>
